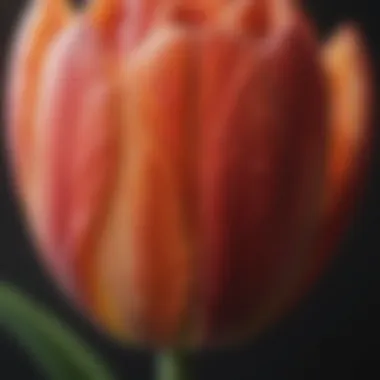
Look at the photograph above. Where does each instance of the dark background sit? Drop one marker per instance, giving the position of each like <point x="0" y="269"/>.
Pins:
<point x="331" y="335"/>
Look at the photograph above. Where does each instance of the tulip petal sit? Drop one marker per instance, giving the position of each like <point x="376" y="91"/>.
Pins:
<point x="348" y="73"/>
<point x="349" y="76"/>
<point x="259" y="150"/>
<point x="161" y="171"/>
<point x="77" y="150"/>
<point x="40" y="25"/>
<point x="143" y="254"/>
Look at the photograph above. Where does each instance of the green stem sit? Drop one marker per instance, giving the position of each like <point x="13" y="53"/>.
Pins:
<point x="171" y="365"/>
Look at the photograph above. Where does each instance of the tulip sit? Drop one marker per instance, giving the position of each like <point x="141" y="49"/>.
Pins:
<point x="187" y="168"/>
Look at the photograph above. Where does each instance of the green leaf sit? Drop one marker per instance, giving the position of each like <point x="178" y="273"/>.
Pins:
<point x="53" y="345"/>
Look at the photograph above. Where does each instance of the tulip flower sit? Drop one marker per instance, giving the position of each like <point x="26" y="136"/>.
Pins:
<point x="187" y="168"/>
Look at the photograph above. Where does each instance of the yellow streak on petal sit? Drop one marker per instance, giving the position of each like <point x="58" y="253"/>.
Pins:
<point x="107" y="308"/>
<point x="112" y="257"/>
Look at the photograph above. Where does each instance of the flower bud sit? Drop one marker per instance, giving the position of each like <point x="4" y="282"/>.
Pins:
<point x="186" y="167"/>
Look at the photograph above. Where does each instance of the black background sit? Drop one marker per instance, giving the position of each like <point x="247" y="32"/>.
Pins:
<point x="331" y="335"/>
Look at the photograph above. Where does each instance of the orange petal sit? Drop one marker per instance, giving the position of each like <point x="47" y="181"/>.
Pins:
<point x="346" y="66"/>
<point x="41" y="23"/>
<point x="76" y="153"/>
<point x="160" y="173"/>
<point x="348" y="71"/>
<point x="261" y="175"/>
